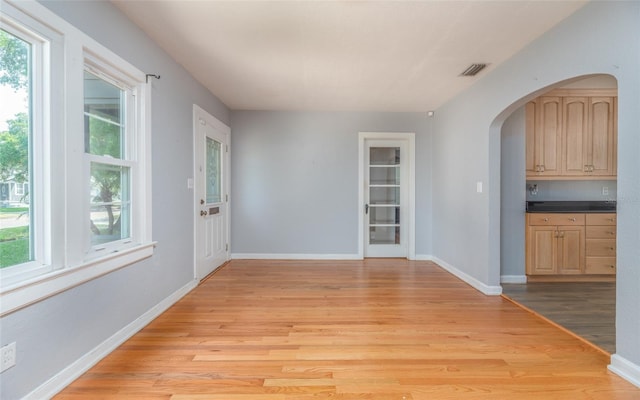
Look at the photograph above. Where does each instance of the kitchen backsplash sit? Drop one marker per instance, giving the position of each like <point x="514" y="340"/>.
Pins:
<point x="571" y="190"/>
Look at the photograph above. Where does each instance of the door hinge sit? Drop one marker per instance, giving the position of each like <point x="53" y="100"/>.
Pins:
<point x="226" y="247"/>
<point x="227" y="148"/>
<point x="226" y="198"/>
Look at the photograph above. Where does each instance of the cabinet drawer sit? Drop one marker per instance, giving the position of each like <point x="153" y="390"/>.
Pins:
<point x="601" y="247"/>
<point x="601" y="219"/>
<point x="601" y="265"/>
<point x="601" y="232"/>
<point x="556" y="219"/>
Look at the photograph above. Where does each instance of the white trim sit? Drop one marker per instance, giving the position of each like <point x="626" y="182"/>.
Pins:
<point x="275" y="256"/>
<point x="486" y="289"/>
<point x="625" y="369"/>
<point x="423" y="257"/>
<point x="410" y="137"/>
<point x="63" y="378"/>
<point x="513" y="279"/>
<point x="25" y="293"/>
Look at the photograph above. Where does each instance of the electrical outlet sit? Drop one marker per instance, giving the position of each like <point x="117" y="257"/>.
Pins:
<point x="605" y="191"/>
<point x="7" y="356"/>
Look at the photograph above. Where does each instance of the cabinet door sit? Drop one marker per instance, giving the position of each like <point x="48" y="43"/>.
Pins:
<point x="542" y="250"/>
<point x="571" y="250"/>
<point x="574" y="146"/>
<point x="543" y="132"/>
<point x="548" y="135"/>
<point x="600" y="138"/>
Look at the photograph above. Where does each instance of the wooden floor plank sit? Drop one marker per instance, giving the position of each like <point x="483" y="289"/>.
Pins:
<point x="373" y="329"/>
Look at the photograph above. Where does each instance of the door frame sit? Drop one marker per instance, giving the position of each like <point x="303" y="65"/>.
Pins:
<point x="198" y="114"/>
<point x="410" y="138"/>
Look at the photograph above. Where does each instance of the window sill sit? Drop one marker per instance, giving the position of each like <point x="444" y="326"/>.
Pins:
<point x="34" y="290"/>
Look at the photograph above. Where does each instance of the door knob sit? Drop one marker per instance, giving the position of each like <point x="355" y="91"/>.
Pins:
<point x="201" y="201"/>
<point x="366" y="209"/>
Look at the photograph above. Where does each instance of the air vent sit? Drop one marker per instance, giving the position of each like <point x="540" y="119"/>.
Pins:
<point x="473" y="69"/>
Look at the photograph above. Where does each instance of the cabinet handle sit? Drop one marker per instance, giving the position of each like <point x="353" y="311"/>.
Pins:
<point x="612" y="219"/>
<point x="545" y="219"/>
<point x="611" y="233"/>
<point x="612" y="266"/>
<point x="611" y="248"/>
<point x="572" y="219"/>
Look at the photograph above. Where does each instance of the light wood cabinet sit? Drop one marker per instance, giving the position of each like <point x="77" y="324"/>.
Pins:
<point x="601" y="244"/>
<point x="544" y="136"/>
<point x="572" y="135"/>
<point x="555" y="249"/>
<point x="570" y="244"/>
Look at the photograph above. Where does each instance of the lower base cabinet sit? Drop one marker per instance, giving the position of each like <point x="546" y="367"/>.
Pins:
<point x="572" y="246"/>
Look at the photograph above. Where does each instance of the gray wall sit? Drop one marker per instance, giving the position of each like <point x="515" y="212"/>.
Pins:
<point x="512" y="200"/>
<point x="601" y="37"/>
<point x="295" y="180"/>
<point x="53" y="333"/>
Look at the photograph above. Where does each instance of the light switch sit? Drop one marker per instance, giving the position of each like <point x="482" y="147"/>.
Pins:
<point x="479" y="187"/>
<point x="605" y="191"/>
<point x="189" y="183"/>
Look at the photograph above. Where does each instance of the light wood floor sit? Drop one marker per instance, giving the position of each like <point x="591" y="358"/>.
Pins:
<point x="378" y="329"/>
<point x="586" y="308"/>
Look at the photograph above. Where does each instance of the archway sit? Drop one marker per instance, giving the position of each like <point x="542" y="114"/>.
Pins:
<point x="514" y="191"/>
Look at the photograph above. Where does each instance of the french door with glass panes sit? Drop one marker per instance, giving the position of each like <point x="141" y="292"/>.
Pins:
<point x="386" y="181"/>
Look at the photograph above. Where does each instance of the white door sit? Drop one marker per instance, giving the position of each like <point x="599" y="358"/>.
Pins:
<point x="211" y="192"/>
<point x="387" y="195"/>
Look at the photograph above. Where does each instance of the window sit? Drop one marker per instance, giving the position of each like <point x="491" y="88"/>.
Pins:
<point x="20" y="66"/>
<point x="107" y="152"/>
<point x="81" y="147"/>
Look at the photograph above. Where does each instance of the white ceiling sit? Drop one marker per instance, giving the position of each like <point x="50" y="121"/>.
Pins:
<point x="339" y="55"/>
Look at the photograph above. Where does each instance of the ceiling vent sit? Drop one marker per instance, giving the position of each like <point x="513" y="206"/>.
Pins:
<point x="473" y="69"/>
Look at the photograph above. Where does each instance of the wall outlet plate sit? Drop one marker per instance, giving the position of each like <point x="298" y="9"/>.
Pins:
<point x="7" y="356"/>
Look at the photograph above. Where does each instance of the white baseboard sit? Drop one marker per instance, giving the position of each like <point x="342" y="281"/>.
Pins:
<point x="486" y="289"/>
<point x="272" y="256"/>
<point x="269" y="256"/>
<point x="513" y="279"/>
<point x="625" y="369"/>
<point x="65" y="377"/>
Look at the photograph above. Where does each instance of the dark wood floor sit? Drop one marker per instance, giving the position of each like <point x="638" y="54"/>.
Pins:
<point x="345" y="330"/>
<point x="586" y="309"/>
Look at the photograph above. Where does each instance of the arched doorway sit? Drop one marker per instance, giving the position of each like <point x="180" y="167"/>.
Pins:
<point x="587" y="309"/>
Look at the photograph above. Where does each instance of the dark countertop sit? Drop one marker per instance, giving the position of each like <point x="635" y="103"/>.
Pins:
<point x="571" y="206"/>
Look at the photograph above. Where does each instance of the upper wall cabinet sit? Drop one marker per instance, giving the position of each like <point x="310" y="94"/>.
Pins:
<point x="544" y="136"/>
<point x="571" y="134"/>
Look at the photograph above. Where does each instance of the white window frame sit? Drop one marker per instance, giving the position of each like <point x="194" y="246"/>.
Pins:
<point x="132" y="109"/>
<point x="41" y="40"/>
<point x="19" y="189"/>
<point x="64" y="256"/>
